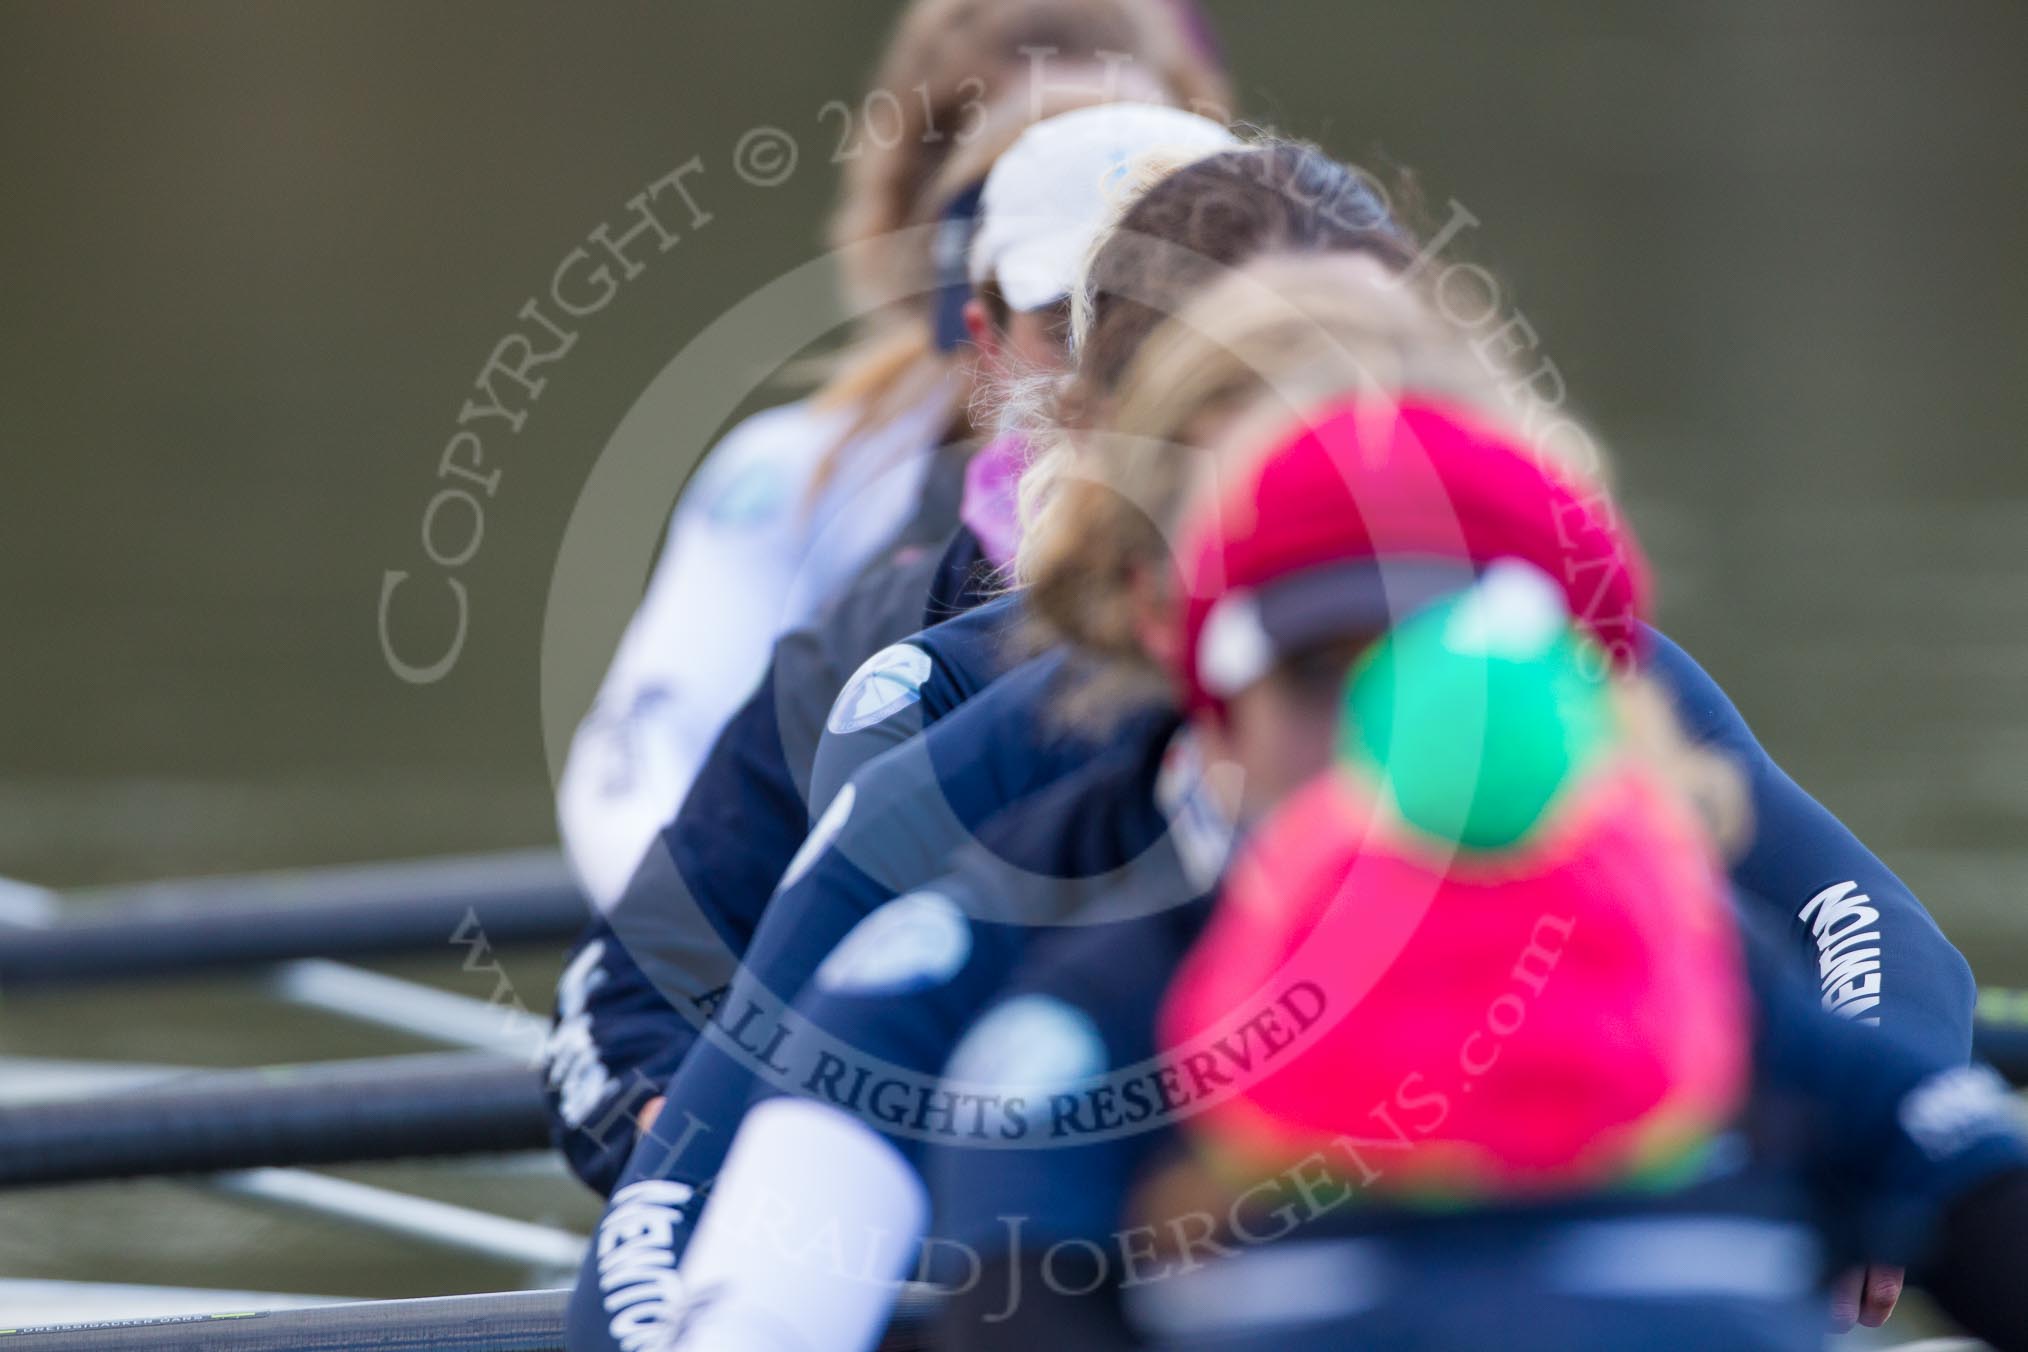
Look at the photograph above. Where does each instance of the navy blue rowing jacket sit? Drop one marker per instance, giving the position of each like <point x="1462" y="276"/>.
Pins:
<point x="1851" y="1147"/>
<point x="1846" y="922"/>
<point x="878" y="875"/>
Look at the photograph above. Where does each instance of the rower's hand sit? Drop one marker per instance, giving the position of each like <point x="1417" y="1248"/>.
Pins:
<point x="1865" y="1295"/>
<point x="645" y="1117"/>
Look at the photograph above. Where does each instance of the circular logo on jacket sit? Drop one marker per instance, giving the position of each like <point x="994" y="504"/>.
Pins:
<point x="887" y="683"/>
<point x="1031" y="1043"/>
<point x="912" y="942"/>
<point x="752" y="495"/>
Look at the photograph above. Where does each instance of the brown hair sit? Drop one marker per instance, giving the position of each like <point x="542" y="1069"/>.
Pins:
<point x="1205" y="219"/>
<point x="1175" y="240"/>
<point x="1183" y="231"/>
<point x="1257" y="348"/>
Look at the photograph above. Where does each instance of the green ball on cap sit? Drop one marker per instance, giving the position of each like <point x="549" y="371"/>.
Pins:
<point x="1477" y="713"/>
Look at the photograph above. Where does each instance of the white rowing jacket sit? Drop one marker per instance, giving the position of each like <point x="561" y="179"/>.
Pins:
<point x="751" y="554"/>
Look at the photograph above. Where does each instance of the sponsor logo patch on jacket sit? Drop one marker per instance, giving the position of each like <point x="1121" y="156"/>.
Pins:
<point x="571" y="1054"/>
<point x="1032" y="1043"/>
<point x="638" y="1285"/>
<point x="888" y="682"/>
<point x="1958" y="1108"/>
<point x="752" y="495"/>
<point x="913" y="942"/>
<point x="1845" y="924"/>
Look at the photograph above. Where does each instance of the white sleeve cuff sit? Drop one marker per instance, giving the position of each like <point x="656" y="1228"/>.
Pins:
<point x="812" y="1224"/>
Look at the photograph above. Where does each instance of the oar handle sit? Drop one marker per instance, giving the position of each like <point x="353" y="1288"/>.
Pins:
<point x="383" y="1108"/>
<point x="174" y="929"/>
<point x="509" y="1321"/>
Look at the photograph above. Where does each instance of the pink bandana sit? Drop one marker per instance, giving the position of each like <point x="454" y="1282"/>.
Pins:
<point x="989" y="507"/>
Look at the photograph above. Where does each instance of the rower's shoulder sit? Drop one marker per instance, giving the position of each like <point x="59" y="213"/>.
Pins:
<point x="765" y="461"/>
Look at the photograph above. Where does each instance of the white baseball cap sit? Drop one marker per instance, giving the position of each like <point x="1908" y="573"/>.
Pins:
<point x="1052" y="192"/>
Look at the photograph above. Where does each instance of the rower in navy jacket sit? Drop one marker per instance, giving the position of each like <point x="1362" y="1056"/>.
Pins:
<point x="649" y="965"/>
<point x="788" y="508"/>
<point x="861" y="991"/>
<point x="635" y="988"/>
<point x="1461" y="1062"/>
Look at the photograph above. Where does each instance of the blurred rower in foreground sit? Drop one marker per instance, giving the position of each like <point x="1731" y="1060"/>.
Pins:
<point x="1127" y="832"/>
<point x="1476" y="1055"/>
<point x="1487" y="965"/>
<point x="1138" y="850"/>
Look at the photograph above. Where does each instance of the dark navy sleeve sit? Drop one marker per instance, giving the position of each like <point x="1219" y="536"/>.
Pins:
<point x="887" y="1023"/>
<point x="613" y="1042"/>
<point x="1069" y="895"/>
<point x="628" y="1297"/>
<point x="1100" y="986"/>
<point x="1875" y="954"/>
<point x="893" y="996"/>
<point x="893" y="828"/>
<point x="674" y="935"/>
<point x="855" y="865"/>
<point x="1887" y="1133"/>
